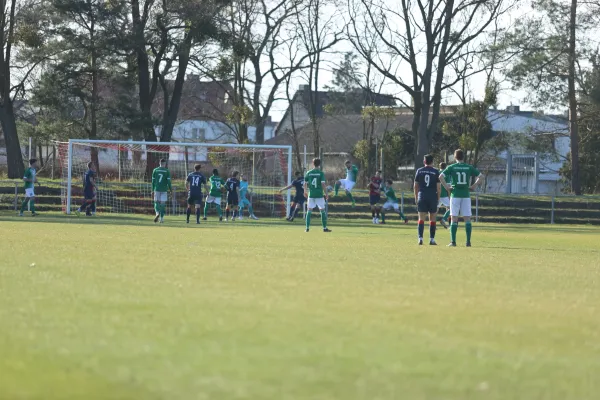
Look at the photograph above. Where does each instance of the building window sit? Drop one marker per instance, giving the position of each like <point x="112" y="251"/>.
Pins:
<point x="199" y="134"/>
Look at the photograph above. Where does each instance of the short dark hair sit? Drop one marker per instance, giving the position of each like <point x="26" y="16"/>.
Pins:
<point x="317" y="162"/>
<point x="347" y="162"/>
<point x="32" y="161"/>
<point x="391" y="182"/>
<point x="459" y="155"/>
<point x="443" y="165"/>
<point x="90" y="165"/>
<point x="235" y="173"/>
<point x="197" y="167"/>
<point x="163" y="161"/>
<point x="215" y="171"/>
<point x="428" y="159"/>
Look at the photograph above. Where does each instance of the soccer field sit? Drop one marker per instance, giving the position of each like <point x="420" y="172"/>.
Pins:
<point x="118" y="308"/>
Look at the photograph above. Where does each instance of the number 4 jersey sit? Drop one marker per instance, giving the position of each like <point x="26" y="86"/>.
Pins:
<point x="460" y="174"/>
<point x="314" y="180"/>
<point x="427" y="178"/>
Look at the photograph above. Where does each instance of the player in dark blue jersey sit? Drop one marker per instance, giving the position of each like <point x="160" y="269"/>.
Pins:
<point x="427" y="196"/>
<point x="298" y="200"/>
<point x="89" y="191"/>
<point x="193" y="184"/>
<point x="233" y="198"/>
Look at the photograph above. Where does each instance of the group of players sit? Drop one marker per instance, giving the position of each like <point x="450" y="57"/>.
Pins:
<point x="450" y="186"/>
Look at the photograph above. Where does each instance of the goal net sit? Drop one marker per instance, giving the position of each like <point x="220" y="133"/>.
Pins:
<point x="124" y="173"/>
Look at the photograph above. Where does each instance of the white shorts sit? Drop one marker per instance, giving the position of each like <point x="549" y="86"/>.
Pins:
<point x="444" y="201"/>
<point x="460" y="206"/>
<point x="388" y="205"/>
<point x="29" y="192"/>
<point x="318" y="202"/>
<point x="160" y="197"/>
<point x="213" y="199"/>
<point x="347" y="184"/>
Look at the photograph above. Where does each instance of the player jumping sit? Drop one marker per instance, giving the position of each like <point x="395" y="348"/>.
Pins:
<point x="298" y="201"/>
<point x="233" y="186"/>
<point x="89" y="191"/>
<point x="193" y="184"/>
<point x="244" y="202"/>
<point x="214" y="195"/>
<point x="30" y="180"/>
<point x="392" y="201"/>
<point x="460" y="193"/>
<point x="375" y="197"/>
<point x="427" y="197"/>
<point x="161" y="185"/>
<point x="348" y="183"/>
<point x="316" y="191"/>
<point x="444" y="201"/>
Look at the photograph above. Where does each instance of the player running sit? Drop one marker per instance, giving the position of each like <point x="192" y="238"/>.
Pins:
<point x="30" y="180"/>
<point x="375" y="197"/>
<point x="244" y="202"/>
<point x="214" y="195"/>
<point x="444" y="201"/>
<point x="89" y="191"/>
<point x="193" y="184"/>
<point x="392" y="202"/>
<point x="316" y="191"/>
<point x="233" y="199"/>
<point x="161" y="185"/>
<point x="348" y="183"/>
<point x="460" y="193"/>
<point x="427" y="197"/>
<point x="298" y="201"/>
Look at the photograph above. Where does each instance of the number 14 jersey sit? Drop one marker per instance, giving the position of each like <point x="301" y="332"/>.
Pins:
<point x="460" y="174"/>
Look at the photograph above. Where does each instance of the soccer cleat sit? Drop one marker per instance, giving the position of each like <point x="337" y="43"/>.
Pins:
<point x="220" y="219"/>
<point x="156" y="218"/>
<point x="78" y="213"/>
<point x="254" y="217"/>
<point x="226" y="219"/>
<point x="162" y="221"/>
<point x="34" y="214"/>
<point x="326" y="230"/>
<point x="452" y="244"/>
<point x="405" y="221"/>
<point x="20" y="214"/>
<point x="382" y="222"/>
<point x="203" y="218"/>
<point x="420" y="241"/>
<point x="444" y="224"/>
<point x="432" y="242"/>
<point x="374" y="220"/>
<point x="306" y="230"/>
<point x="240" y="218"/>
<point x="353" y="203"/>
<point x="187" y="221"/>
<point x="468" y="244"/>
<point x="233" y="219"/>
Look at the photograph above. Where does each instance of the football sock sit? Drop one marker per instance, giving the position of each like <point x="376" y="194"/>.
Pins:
<point x="227" y="213"/>
<point x="24" y="204"/>
<point x="205" y="209"/>
<point x="373" y="214"/>
<point x="446" y="215"/>
<point x="197" y="215"/>
<point x="377" y="213"/>
<point x="469" y="229"/>
<point x="296" y="212"/>
<point x="350" y="197"/>
<point x="250" y="210"/>
<point x="233" y="213"/>
<point x="421" y="228"/>
<point x="163" y="208"/>
<point x="220" y="211"/>
<point x="382" y="216"/>
<point x="188" y="213"/>
<point x="308" y="215"/>
<point x="156" y="209"/>
<point x="83" y="206"/>
<point x="93" y="206"/>
<point x="401" y="215"/>
<point x="32" y="205"/>
<point x="432" y="229"/>
<point x="323" y="219"/>
<point x="337" y="188"/>
<point x="453" y="230"/>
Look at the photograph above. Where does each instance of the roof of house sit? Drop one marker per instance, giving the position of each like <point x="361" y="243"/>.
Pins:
<point x="340" y="133"/>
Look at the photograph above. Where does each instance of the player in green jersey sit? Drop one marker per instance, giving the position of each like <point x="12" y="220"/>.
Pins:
<point x="392" y="202"/>
<point x="30" y="179"/>
<point x="348" y="183"/>
<point x="460" y="193"/>
<point x="161" y="185"/>
<point x="316" y="192"/>
<point x="444" y="200"/>
<point x="217" y="186"/>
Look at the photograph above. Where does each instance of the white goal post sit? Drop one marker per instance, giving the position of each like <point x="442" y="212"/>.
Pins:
<point x="124" y="182"/>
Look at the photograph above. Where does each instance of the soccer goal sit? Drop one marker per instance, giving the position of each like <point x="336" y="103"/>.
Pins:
<point x="125" y="169"/>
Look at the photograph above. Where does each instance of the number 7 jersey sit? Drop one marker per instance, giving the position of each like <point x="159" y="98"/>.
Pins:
<point x="460" y="174"/>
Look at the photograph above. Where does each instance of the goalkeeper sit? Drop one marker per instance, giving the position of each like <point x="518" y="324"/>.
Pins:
<point x="244" y="202"/>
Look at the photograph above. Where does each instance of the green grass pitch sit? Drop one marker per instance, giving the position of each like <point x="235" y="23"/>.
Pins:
<point x="118" y="308"/>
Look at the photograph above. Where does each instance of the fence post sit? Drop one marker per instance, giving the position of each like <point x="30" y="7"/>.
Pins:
<point x="16" y="196"/>
<point x="537" y="173"/>
<point x="552" y="213"/>
<point x="402" y="202"/>
<point x="508" y="173"/>
<point x="476" y="206"/>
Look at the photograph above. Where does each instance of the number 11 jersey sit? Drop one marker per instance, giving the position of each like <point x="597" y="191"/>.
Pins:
<point x="460" y="174"/>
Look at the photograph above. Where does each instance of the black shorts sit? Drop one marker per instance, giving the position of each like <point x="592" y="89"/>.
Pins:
<point x="194" y="199"/>
<point x="232" y="200"/>
<point x="374" y="199"/>
<point x="427" y="205"/>
<point x="299" y="200"/>
<point x="89" y="194"/>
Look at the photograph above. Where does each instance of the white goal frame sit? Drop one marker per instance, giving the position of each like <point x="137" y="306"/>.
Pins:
<point x="178" y="144"/>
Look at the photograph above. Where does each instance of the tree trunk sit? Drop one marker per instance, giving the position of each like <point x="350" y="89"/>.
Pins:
<point x="14" y="156"/>
<point x="94" y="108"/>
<point x="573" y="128"/>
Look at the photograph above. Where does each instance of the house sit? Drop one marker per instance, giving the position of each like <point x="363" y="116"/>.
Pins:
<point x="352" y="102"/>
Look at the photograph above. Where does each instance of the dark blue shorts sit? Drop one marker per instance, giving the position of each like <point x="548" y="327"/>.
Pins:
<point x="299" y="200"/>
<point x="427" y="205"/>
<point x="88" y="194"/>
<point x="194" y="198"/>
<point x="374" y="199"/>
<point x="232" y="199"/>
